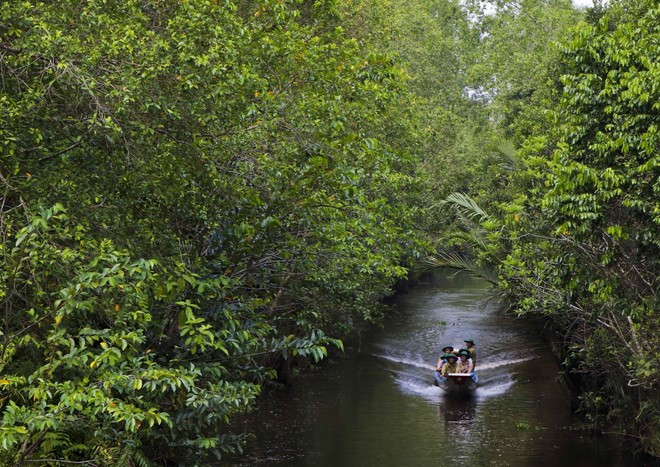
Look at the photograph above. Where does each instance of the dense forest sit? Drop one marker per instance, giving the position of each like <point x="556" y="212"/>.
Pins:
<point x="200" y="197"/>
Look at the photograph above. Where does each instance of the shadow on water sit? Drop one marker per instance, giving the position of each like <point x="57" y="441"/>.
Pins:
<point x="378" y="406"/>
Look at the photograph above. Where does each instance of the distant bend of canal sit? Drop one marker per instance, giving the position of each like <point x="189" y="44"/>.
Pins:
<point x="378" y="406"/>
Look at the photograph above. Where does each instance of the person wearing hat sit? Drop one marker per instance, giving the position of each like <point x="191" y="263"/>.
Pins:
<point x="448" y="349"/>
<point x="442" y="360"/>
<point x="469" y="343"/>
<point x="446" y="353"/>
<point x="464" y="365"/>
<point x="451" y="366"/>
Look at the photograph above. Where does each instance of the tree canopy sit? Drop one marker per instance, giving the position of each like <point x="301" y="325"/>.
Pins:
<point x="200" y="195"/>
<point x="194" y="194"/>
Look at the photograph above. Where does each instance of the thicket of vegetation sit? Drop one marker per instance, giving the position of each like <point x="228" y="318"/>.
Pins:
<point x="194" y="193"/>
<point x="573" y="236"/>
<point x="197" y="193"/>
<point x="582" y="243"/>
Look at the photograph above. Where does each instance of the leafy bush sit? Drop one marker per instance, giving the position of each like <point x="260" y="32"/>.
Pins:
<point x="582" y="244"/>
<point x="194" y="193"/>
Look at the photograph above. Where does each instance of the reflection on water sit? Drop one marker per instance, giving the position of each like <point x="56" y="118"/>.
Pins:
<point x="378" y="406"/>
<point x="459" y="416"/>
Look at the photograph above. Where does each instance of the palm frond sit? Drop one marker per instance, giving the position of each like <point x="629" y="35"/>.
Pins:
<point x="506" y="152"/>
<point x="474" y="238"/>
<point x="465" y="206"/>
<point x="460" y="262"/>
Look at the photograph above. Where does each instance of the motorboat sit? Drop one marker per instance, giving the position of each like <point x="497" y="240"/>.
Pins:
<point x="457" y="383"/>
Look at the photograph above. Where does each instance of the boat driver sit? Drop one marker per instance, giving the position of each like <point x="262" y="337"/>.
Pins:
<point x="469" y="343"/>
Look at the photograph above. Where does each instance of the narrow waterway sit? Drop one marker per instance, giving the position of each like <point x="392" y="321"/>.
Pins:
<point x="377" y="406"/>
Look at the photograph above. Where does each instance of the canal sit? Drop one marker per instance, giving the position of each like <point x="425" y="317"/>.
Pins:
<point x="378" y="406"/>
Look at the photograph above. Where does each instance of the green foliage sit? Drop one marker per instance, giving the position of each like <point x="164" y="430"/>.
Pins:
<point x="466" y="207"/>
<point x="438" y="42"/>
<point x="472" y="242"/>
<point x="582" y="246"/>
<point x="522" y="426"/>
<point x="193" y="193"/>
<point x="516" y="66"/>
<point x="570" y="226"/>
<point x="197" y="194"/>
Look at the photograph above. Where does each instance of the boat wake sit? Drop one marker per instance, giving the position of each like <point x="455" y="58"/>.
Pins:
<point x="414" y="386"/>
<point x="405" y="361"/>
<point x="498" y="364"/>
<point x="491" y="390"/>
<point x="426" y="366"/>
<point x="417" y="383"/>
<point x="417" y="388"/>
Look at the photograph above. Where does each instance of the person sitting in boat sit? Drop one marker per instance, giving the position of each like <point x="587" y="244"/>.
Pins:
<point x="451" y="366"/>
<point x="442" y="360"/>
<point x="464" y="364"/>
<point x="467" y="358"/>
<point x="446" y="364"/>
<point x="469" y="343"/>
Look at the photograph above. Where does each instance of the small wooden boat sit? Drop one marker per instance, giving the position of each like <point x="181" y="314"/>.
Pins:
<point x="457" y="383"/>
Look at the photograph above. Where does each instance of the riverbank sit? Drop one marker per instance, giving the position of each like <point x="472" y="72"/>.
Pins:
<point x="575" y="386"/>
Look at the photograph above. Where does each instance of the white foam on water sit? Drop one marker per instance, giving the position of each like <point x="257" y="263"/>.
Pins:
<point x="426" y="366"/>
<point x="406" y="361"/>
<point x="425" y="390"/>
<point x="493" y="365"/>
<point x="413" y="385"/>
<point x="430" y="391"/>
<point x="490" y="390"/>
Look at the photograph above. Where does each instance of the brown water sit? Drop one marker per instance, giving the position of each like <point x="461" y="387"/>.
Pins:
<point x="377" y="406"/>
